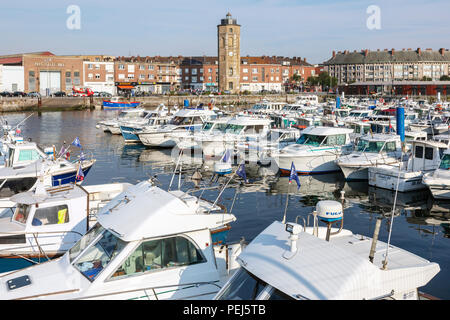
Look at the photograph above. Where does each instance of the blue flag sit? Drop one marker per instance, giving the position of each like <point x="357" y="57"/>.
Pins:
<point x="241" y="172"/>
<point x="294" y="176"/>
<point x="226" y="156"/>
<point x="76" y="142"/>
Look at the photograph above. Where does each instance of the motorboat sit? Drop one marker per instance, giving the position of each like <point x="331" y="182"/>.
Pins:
<point x="372" y="150"/>
<point x="438" y="181"/>
<point x="113" y="125"/>
<point x="152" y="119"/>
<point x="114" y="104"/>
<point x="238" y="129"/>
<point x="210" y="127"/>
<point x="315" y="151"/>
<point x="52" y="170"/>
<point x="293" y="261"/>
<point x="147" y="244"/>
<point x="47" y="221"/>
<point x="185" y="120"/>
<point x="260" y="150"/>
<point x="407" y="175"/>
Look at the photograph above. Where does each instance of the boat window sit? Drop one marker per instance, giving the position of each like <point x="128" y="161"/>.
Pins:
<point x="83" y="243"/>
<point x="51" y="215"/>
<point x="22" y="212"/>
<point x="445" y="162"/>
<point x="243" y="286"/>
<point x="159" y="254"/>
<point x="278" y="295"/>
<point x="254" y="129"/>
<point x="234" y="128"/>
<point x="419" y="152"/>
<point x="97" y="256"/>
<point x="369" y="146"/>
<point x="310" y="140"/>
<point x="273" y="136"/>
<point x="207" y="126"/>
<point x="28" y="155"/>
<point x="390" y="146"/>
<point x="428" y="153"/>
<point x="441" y="152"/>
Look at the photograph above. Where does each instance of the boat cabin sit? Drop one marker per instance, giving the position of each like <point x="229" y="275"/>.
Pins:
<point x="20" y="154"/>
<point x="426" y="155"/>
<point x="324" y="136"/>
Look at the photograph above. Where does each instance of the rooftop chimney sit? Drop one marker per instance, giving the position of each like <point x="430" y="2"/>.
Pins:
<point x="366" y="52"/>
<point x="393" y="51"/>
<point x="419" y="51"/>
<point x="441" y="51"/>
<point x="334" y="54"/>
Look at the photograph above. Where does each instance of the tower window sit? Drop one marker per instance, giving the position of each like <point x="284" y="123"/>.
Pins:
<point x="231" y="30"/>
<point x="230" y="85"/>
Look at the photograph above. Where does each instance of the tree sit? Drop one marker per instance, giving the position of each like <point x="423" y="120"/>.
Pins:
<point x="445" y="78"/>
<point x="296" y="78"/>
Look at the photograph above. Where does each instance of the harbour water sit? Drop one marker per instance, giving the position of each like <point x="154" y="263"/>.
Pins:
<point x="421" y="225"/>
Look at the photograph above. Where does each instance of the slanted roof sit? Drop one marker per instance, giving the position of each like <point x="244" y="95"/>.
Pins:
<point x="145" y="211"/>
<point x="338" y="269"/>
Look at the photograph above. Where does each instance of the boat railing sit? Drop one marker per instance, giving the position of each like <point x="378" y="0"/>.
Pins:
<point x="150" y="292"/>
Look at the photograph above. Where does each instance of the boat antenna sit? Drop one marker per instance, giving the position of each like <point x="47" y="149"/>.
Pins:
<point x="175" y="170"/>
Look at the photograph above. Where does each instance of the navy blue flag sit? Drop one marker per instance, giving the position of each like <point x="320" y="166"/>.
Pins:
<point x="294" y="176"/>
<point x="76" y="142"/>
<point x="241" y="172"/>
<point x="226" y="156"/>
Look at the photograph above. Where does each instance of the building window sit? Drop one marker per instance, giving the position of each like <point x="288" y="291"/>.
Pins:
<point x="255" y="70"/>
<point x="121" y="76"/>
<point x="194" y="71"/>
<point x="230" y="71"/>
<point x="255" y="78"/>
<point x="90" y="66"/>
<point x="230" y="85"/>
<point x="142" y="76"/>
<point x="121" y="67"/>
<point x="131" y="68"/>
<point x="141" y="67"/>
<point x="201" y="79"/>
<point x="97" y="66"/>
<point x="210" y="70"/>
<point x="90" y="75"/>
<point x="245" y="78"/>
<point x="245" y="70"/>
<point x="97" y="76"/>
<point x="201" y="71"/>
<point x="150" y="67"/>
<point x="131" y="76"/>
<point x="186" y="78"/>
<point x="194" y="79"/>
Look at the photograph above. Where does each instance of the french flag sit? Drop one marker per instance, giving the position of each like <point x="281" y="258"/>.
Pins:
<point x="80" y="174"/>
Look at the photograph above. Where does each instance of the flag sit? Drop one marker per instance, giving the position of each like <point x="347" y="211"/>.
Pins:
<point x="62" y="151"/>
<point x="80" y="174"/>
<point x="241" y="172"/>
<point x="82" y="156"/>
<point x="226" y="156"/>
<point x="76" y="142"/>
<point x="294" y="176"/>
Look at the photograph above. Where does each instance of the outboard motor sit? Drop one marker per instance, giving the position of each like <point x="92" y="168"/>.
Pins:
<point x="330" y="211"/>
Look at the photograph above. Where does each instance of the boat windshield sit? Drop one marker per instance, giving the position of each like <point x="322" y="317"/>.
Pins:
<point x="129" y="115"/>
<point x="21" y="213"/>
<point x="94" y="251"/>
<point x="445" y="162"/>
<point x="369" y="146"/>
<point x="207" y="126"/>
<point x="234" y="128"/>
<point x="273" y="135"/>
<point x="310" y="140"/>
<point x="244" y="286"/>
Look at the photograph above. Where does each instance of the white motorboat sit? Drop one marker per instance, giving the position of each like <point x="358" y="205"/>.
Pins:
<point x="147" y="244"/>
<point x="289" y="261"/>
<point x="238" y="129"/>
<point x="152" y="119"/>
<point x="425" y="157"/>
<point x="260" y="150"/>
<point x="113" y="125"/>
<point x="438" y="181"/>
<point x="216" y="126"/>
<point x="372" y="150"/>
<point x="184" y="121"/>
<point x="315" y="151"/>
<point x="46" y="222"/>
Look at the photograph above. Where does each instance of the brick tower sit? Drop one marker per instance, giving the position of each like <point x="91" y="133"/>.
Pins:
<point x="228" y="40"/>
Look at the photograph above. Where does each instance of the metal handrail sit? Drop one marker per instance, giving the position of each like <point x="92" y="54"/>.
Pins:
<point x="153" y="289"/>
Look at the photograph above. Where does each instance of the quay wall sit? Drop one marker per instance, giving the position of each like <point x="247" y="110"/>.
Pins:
<point x="8" y="104"/>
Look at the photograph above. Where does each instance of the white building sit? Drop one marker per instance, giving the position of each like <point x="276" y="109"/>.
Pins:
<point x="11" y="78"/>
<point x="99" y="76"/>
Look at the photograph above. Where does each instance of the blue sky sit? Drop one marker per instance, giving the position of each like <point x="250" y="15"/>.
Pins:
<point x="302" y="28"/>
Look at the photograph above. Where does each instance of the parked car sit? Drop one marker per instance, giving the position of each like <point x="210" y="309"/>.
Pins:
<point x="59" y="94"/>
<point x="34" y="94"/>
<point x="105" y="94"/>
<point x="19" y="94"/>
<point x="6" y="94"/>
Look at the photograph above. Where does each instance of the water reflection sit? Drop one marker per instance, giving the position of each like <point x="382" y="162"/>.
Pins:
<point x="263" y="199"/>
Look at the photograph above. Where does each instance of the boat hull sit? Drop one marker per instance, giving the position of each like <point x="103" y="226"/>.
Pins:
<point x="119" y="105"/>
<point x="311" y="164"/>
<point x="129" y="134"/>
<point x="157" y="139"/>
<point x="387" y="179"/>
